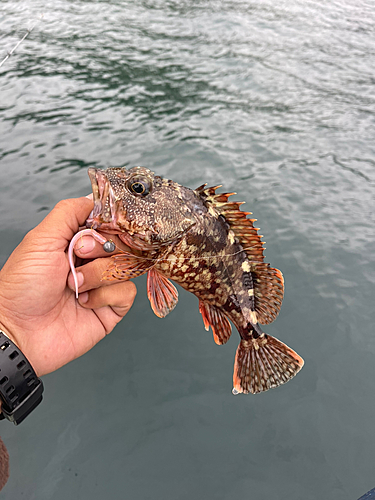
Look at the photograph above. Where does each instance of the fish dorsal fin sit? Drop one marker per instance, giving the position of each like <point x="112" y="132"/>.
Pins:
<point x="214" y="318"/>
<point x="268" y="282"/>
<point x="162" y="294"/>
<point x="241" y="226"/>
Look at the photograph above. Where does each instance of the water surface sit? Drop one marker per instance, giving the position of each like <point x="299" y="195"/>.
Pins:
<point x="273" y="100"/>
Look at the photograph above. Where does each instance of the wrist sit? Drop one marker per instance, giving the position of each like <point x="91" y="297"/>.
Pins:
<point x="6" y="315"/>
<point x="6" y="331"/>
<point x="8" y="312"/>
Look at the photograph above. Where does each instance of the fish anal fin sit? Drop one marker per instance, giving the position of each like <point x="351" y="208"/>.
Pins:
<point x="263" y="363"/>
<point x="162" y="294"/>
<point x="126" y="266"/>
<point x="214" y="318"/>
<point x="268" y="291"/>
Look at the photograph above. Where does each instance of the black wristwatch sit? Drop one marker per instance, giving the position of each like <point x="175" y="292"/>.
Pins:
<point x="20" y="388"/>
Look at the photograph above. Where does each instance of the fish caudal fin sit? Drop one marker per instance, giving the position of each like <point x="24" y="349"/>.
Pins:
<point x="263" y="363"/>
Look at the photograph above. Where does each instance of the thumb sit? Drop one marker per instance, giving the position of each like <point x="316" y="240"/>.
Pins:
<point x="65" y="219"/>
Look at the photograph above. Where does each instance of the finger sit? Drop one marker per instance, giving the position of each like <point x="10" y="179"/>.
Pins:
<point x="119" y="297"/>
<point x="88" y="248"/>
<point x="90" y="275"/>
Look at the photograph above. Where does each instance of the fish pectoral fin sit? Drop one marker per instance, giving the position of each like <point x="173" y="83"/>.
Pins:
<point x="126" y="266"/>
<point x="214" y="318"/>
<point x="162" y="294"/>
<point x="263" y="363"/>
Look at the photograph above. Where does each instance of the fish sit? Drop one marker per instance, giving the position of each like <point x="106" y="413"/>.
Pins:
<point x="208" y="245"/>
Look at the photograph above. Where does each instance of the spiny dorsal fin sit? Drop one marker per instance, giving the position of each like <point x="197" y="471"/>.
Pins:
<point x="241" y="226"/>
<point x="200" y="189"/>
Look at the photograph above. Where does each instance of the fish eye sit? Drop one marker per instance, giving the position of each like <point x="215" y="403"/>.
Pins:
<point x="139" y="186"/>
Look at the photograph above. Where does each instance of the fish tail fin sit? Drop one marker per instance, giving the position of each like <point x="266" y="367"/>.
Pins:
<point x="263" y="363"/>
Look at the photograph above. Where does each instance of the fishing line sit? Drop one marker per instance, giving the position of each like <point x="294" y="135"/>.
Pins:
<point x="156" y="260"/>
<point x="20" y="41"/>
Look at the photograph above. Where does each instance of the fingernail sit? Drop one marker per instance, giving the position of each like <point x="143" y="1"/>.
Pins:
<point x="80" y="279"/>
<point x="83" y="297"/>
<point x="86" y="244"/>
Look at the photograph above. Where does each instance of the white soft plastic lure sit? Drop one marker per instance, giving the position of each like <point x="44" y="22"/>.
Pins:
<point x="108" y="246"/>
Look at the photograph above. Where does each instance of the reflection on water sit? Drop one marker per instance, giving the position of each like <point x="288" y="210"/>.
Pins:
<point x="276" y="102"/>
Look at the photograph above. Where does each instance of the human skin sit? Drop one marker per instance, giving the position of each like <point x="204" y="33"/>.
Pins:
<point x="38" y="308"/>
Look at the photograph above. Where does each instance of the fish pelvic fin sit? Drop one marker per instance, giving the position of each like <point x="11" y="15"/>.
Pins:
<point x="214" y="318"/>
<point x="263" y="363"/>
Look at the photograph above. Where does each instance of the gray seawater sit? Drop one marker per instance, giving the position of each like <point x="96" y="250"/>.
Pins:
<point x="274" y="100"/>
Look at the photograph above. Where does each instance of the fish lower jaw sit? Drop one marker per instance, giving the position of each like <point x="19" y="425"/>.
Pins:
<point x="91" y="222"/>
<point x="97" y="224"/>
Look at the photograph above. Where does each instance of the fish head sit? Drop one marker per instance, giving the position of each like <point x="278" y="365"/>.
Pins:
<point x="144" y="209"/>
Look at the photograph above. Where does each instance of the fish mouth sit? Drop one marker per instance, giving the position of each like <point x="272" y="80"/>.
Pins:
<point x="104" y="214"/>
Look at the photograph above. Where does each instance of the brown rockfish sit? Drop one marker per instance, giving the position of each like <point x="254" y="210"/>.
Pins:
<point x="210" y="247"/>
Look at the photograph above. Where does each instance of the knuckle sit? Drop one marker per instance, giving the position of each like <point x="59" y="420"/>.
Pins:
<point x="29" y="236"/>
<point x="62" y="205"/>
<point x="132" y="291"/>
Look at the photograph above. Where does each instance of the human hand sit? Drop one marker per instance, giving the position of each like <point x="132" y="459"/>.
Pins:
<point x="38" y="309"/>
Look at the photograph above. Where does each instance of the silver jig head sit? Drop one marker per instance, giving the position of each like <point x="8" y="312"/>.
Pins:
<point x="109" y="246"/>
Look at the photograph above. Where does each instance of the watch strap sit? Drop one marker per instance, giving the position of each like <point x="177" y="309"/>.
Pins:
<point x="20" y="388"/>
